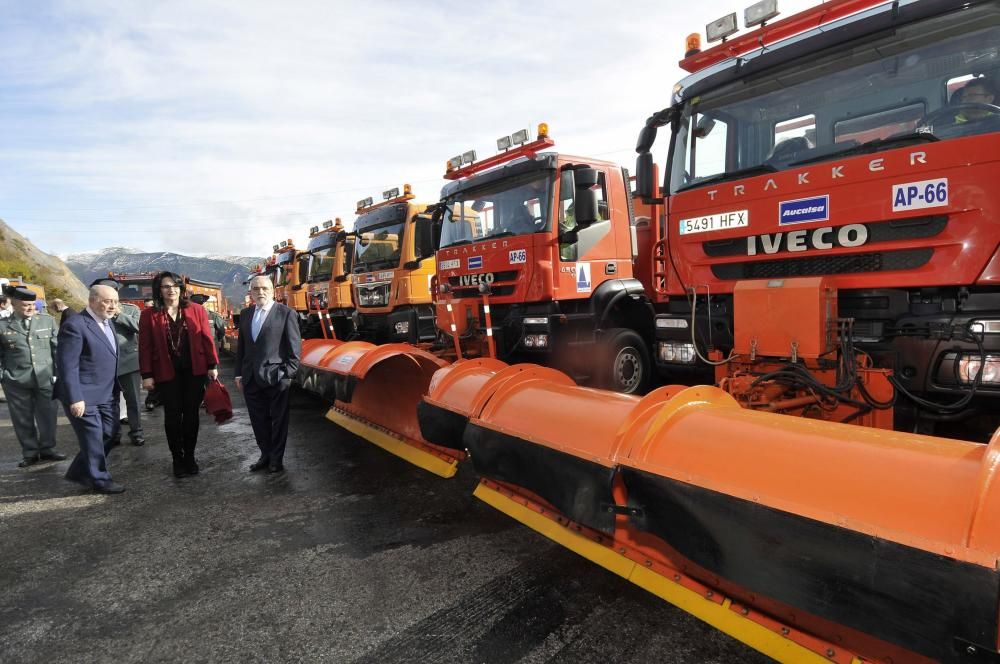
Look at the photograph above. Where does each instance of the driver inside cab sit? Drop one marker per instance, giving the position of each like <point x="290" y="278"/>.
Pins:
<point x="975" y="92"/>
<point x="971" y="110"/>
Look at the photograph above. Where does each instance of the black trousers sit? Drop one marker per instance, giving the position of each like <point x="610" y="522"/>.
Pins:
<point x="181" y="399"/>
<point x="268" y="408"/>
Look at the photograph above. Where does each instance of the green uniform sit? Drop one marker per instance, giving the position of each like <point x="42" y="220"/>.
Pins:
<point x="27" y="371"/>
<point x="218" y="326"/>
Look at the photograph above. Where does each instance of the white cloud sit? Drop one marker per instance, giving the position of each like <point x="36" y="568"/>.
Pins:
<point x="204" y="124"/>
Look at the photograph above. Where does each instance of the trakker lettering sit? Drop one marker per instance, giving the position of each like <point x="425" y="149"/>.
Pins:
<point x="825" y="237"/>
<point x="474" y="248"/>
<point x="476" y="279"/>
<point x="835" y="173"/>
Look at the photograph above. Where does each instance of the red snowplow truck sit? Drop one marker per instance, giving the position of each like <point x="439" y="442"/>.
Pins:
<point x="539" y="257"/>
<point x="865" y="151"/>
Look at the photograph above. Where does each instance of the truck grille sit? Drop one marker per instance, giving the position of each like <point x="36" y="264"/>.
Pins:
<point x="908" y="259"/>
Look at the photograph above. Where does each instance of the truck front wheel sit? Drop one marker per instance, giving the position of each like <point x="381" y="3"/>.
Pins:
<point x="625" y="365"/>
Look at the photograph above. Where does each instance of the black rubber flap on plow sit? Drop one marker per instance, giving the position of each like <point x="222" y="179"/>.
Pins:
<point x="577" y="488"/>
<point x="441" y="426"/>
<point x="921" y="601"/>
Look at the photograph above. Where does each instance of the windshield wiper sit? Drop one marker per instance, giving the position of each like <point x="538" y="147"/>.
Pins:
<point x="874" y="145"/>
<point x="759" y="169"/>
<point x="496" y="235"/>
<point x="459" y="243"/>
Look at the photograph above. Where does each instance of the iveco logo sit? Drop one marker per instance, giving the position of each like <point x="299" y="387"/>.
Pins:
<point x="826" y="237"/>
<point x="476" y="279"/>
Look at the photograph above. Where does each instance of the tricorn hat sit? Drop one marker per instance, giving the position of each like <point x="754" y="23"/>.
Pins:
<point x="106" y="281"/>
<point x="19" y="293"/>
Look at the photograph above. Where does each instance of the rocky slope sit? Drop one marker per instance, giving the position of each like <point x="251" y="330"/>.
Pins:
<point x="20" y="258"/>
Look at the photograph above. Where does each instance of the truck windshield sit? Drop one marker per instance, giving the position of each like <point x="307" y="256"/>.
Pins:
<point x="321" y="264"/>
<point x="931" y="80"/>
<point x="379" y="245"/>
<point x="136" y="290"/>
<point x="513" y="206"/>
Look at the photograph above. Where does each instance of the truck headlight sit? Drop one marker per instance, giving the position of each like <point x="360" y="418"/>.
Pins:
<point x="984" y="326"/>
<point x="676" y="352"/>
<point x="672" y="323"/>
<point x="970" y="365"/>
<point x="536" y="341"/>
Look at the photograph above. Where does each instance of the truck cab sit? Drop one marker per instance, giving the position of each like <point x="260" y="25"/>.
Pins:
<point x="391" y="279"/>
<point x="864" y="149"/>
<point x="546" y="242"/>
<point x="288" y="272"/>
<point x="328" y="292"/>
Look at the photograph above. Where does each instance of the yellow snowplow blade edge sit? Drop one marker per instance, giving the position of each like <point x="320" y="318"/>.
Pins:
<point x="718" y="616"/>
<point x="392" y="445"/>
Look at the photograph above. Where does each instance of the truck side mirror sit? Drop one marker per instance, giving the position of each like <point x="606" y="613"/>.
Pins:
<point x="647" y="136"/>
<point x="423" y="228"/>
<point x="585" y="197"/>
<point x="644" y="175"/>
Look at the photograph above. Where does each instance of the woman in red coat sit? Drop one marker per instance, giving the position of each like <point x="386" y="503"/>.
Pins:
<point x="176" y="357"/>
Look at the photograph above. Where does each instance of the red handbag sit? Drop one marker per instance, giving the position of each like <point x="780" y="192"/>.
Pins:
<point x="217" y="401"/>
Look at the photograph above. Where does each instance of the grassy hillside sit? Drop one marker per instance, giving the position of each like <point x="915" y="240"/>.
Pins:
<point x="20" y="258"/>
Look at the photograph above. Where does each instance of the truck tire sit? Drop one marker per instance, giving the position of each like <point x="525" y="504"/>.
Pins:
<point x="624" y="362"/>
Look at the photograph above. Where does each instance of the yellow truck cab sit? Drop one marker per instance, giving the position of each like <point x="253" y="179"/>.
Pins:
<point x="392" y="293"/>
<point x="330" y="254"/>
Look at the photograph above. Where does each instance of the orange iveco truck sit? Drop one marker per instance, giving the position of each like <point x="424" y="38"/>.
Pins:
<point x="539" y="255"/>
<point x="331" y="258"/>
<point x="865" y="151"/>
<point x="391" y="280"/>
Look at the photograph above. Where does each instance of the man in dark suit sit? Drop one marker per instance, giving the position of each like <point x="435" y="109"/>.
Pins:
<point x="267" y="358"/>
<point x="87" y="367"/>
<point x="125" y="323"/>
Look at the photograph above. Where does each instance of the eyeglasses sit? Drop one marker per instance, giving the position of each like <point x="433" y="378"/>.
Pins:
<point x="169" y="287"/>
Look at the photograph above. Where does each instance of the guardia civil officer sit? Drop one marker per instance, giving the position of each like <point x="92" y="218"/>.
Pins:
<point x="27" y="361"/>
<point x="216" y="320"/>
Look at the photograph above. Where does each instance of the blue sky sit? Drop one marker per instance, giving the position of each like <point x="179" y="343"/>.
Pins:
<point x="224" y="127"/>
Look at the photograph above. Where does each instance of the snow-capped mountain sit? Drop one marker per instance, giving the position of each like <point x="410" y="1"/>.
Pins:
<point x="230" y="271"/>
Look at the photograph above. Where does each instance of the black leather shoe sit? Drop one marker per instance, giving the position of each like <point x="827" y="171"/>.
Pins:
<point x="191" y="466"/>
<point x="259" y="464"/>
<point x="110" y="488"/>
<point x="52" y="456"/>
<point x="180" y="469"/>
<point x="28" y="461"/>
<point x="138" y="441"/>
<point x="275" y="468"/>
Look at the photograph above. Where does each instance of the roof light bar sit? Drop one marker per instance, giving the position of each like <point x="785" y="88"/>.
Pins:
<point x="504" y="143"/>
<point x="519" y="137"/>
<point x="455" y="162"/>
<point x="275" y="248"/>
<point x="468" y="157"/>
<point x="284" y="244"/>
<point x="721" y="28"/>
<point x="328" y="223"/>
<point x="390" y="193"/>
<point x="760" y="12"/>
<point x="314" y="230"/>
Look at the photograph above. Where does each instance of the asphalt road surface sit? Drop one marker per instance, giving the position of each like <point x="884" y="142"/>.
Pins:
<point x="351" y="555"/>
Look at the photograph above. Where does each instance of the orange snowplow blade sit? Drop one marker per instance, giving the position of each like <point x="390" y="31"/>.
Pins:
<point x="375" y="391"/>
<point x="806" y="539"/>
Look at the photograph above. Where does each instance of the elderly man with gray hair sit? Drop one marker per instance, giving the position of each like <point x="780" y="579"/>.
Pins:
<point x="87" y="368"/>
<point x="267" y="358"/>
